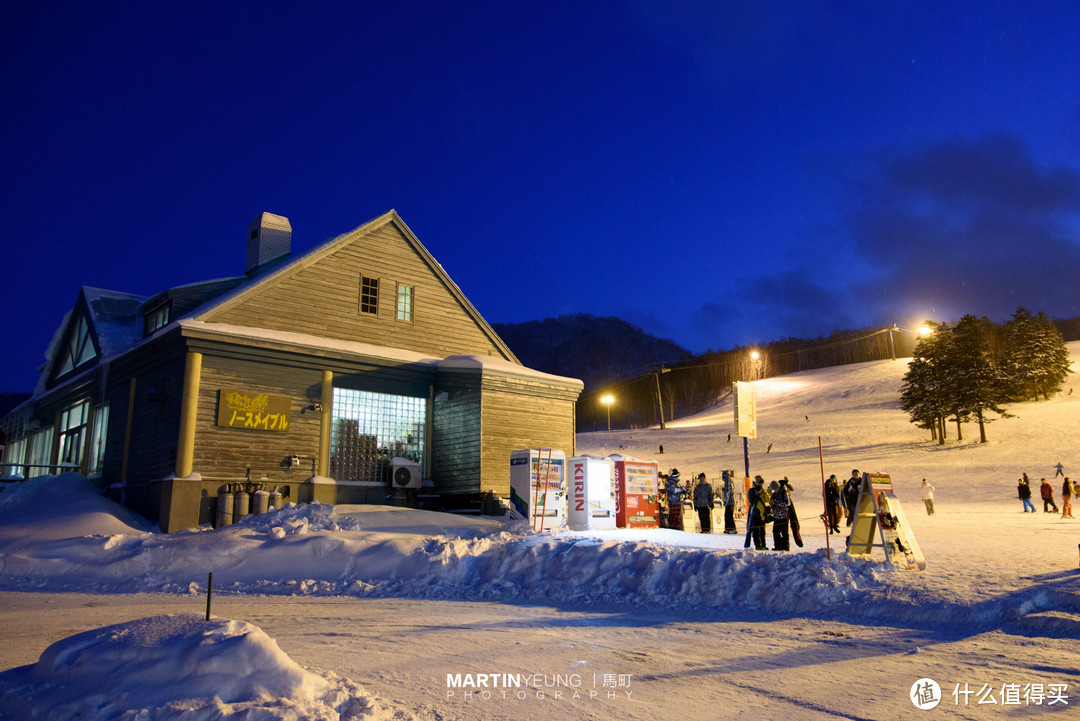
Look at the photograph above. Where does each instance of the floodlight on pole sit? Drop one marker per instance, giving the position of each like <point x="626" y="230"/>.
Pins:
<point x="607" y="401"/>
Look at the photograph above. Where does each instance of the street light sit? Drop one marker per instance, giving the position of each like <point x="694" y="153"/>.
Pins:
<point x="754" y="358"/>
<point x="607" y="401"/>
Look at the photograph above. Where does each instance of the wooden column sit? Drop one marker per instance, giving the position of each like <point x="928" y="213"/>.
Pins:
<point x="189" y="405"/>
<point x="322" y="464"/>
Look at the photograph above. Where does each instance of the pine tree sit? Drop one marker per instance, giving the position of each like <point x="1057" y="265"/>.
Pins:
<point x="977" y="385"/>
<point x="924" y="394"/>
<point x="1036" y="357"/>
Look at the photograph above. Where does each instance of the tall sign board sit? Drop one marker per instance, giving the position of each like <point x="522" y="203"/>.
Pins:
<point x="745" y="409"/>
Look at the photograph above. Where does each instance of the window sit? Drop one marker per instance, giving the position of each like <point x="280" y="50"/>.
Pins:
<point x="77" y="350"/>
<point x="98" y="432"/>
<point x="41" y="452"/>
<point x="14" y="458"/>
<point x="404" y="302"/>
<point x="371" y="428"/>
<point x="156" y="318"/>
<point x="72" y="432"/>
<point x="369" y="295"/>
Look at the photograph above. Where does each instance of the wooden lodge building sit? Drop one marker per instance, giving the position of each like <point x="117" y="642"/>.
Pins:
<point x="312" y="375"/>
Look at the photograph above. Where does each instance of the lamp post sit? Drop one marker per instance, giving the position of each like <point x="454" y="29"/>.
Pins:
<point x="607" y="401"/>
<point x="754" y="358"/>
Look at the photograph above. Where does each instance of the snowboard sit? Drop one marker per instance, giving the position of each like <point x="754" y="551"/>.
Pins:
<point x="794" y="519"/>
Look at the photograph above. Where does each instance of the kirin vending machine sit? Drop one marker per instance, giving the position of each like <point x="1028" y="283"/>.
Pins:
<point x="590" y="496"/>
<point x="637" y="500"/>
<point x="538" y="487"/>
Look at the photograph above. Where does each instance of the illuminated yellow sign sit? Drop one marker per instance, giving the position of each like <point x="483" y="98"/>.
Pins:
<point x="258" y="412"/>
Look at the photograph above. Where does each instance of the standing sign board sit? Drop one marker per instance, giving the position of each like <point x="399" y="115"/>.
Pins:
<point x="878" y="509"/>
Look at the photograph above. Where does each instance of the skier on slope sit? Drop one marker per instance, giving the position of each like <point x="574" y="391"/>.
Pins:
<point x="1023" y="492"/>
<point x="1047" y="492"/>
<point x="778" y="499"/>
<point x="758" y="499"/>
<point x="832" y="504"/>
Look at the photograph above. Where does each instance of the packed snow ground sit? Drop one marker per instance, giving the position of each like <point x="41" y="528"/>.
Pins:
<point x="380" y="604"/>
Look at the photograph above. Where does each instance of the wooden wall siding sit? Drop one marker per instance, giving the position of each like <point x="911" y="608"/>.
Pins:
<point x="156" y="423"/>
<point x="455" y="443"/>
<point x="514" y="421"/>
<point x="324" y="299"/>
<point x="229" y="452"/>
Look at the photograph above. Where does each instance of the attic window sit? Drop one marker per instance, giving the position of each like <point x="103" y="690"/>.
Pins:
<point x="77" y="350"/>
<point x="369" y="295"/>
<point x="156" y="318"/>
<point x="404" y="302"/>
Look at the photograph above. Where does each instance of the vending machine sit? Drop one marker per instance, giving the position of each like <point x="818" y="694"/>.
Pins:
<point x="538" y="487"/>
<point x="637" y="500"/>
<point x="590" y="497"/>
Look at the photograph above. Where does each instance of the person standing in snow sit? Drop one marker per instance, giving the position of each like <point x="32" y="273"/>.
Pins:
<point x="928" y="496"/>
<point x="1066" y="498"/>
<point x="1060" y="470"/>
<point x="1023" y="490"/>
<point x="832" y="504"/>
<point x="778" y="499"/>
<point x="1047" y="492"/>
<point x="757" y="498"/>
<point x="851" y="494"/>
<point x="703" y="503"/>
<point x="674" y="500"/>
<point x="728" y="497"/>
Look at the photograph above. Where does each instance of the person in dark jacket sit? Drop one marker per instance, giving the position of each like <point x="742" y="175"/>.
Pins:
<point x="832" y="504"/>
<point x="703" y="503"/>
<point x="1023" y="491"/>
<point x="778" y="499"/>
<point x="728" y="497"/>
<point x="851" y="494"/>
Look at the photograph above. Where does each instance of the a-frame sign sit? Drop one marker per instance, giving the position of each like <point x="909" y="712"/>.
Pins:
<point x="878" y="509"/>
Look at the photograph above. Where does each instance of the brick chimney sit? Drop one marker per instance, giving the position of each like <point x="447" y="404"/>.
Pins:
<point x="269" y="240"/>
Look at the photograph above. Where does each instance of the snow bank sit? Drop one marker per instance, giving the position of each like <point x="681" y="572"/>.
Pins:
<point x="176" y="667"/>
<point x="64" y="506"/>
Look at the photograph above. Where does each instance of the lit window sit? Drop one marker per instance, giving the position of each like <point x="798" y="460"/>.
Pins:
<point x="41" y="453"/>
<point x="78" y="350"/>
<point x="371" y="428"/>
<point x="98" y="432"/>
<point x="404" y="302"/>
<point x="369" y="295"/>
<point x="156" y="318"/>
<point x="14" y="458"/>
<point x="72" y="432"/>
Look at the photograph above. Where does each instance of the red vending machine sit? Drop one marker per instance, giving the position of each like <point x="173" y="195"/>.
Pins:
<point x="637" y="503"/>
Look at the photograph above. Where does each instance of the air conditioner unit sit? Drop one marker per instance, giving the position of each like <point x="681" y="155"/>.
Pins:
<point x="404" y="473"/>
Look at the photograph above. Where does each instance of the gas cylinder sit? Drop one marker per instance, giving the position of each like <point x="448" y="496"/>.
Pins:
<point x="275" y="498"/>
<point x="241" y="502"/>
<point x="224" y="506"/>
<point x="260" y="501"/>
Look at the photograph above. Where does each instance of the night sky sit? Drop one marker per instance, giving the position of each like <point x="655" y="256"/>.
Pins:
<point x="718" y="173"/>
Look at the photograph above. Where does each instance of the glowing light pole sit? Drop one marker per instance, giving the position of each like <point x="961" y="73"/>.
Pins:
<point x="755" y="357"/>
<point x="607" y="401"/>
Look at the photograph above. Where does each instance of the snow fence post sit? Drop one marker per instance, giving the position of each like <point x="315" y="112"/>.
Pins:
<point x="209" y="586"/>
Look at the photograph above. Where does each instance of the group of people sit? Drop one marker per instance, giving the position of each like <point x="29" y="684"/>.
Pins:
<point x="704" y="501"/>
<point x="771" y="505"/>
<point x="1046" y="492"/>
<point x="841" y="500"/>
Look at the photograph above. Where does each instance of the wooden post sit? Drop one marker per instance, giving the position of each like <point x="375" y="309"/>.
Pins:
<point x="189" y="406"/>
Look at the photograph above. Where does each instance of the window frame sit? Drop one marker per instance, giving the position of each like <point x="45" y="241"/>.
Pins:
<point x="405" y="314"/>
<point x="369" y="295"/>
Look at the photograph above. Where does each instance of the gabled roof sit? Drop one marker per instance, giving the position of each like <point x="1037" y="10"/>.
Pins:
<point x="114" y="319"/>
<point x="312" y="257"/>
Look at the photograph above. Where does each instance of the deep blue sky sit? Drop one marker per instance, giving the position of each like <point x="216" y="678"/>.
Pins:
<point x="719" y="173"/>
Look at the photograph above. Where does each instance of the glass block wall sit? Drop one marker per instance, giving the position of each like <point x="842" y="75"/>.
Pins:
<point x="371" y="428"/>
